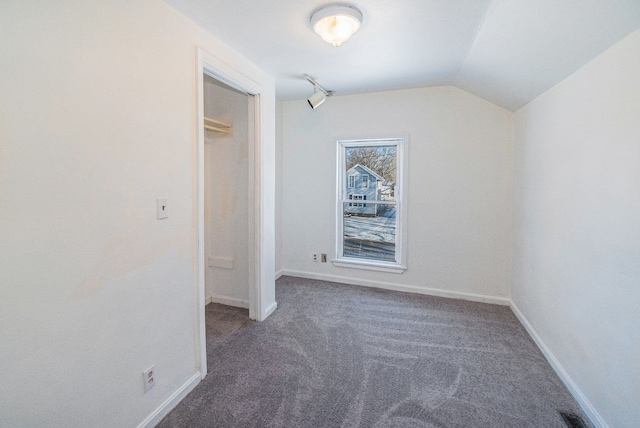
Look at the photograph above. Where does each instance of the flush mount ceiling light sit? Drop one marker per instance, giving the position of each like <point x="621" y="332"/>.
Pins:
<point x="336" y="23"/>
<point x="319" y="93"/>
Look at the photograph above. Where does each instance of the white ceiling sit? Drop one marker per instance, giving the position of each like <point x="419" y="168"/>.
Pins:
<point x="506" y="51"/>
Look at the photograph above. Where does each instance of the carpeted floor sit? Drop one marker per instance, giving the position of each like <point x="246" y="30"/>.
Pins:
<point x="222" y="320"/>
<point x="336" y="355"/>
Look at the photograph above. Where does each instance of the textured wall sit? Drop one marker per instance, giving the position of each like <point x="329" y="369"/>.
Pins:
<point x="458" y="188"/>
<point x="577" y="227"/>
<point x="97" y="120"/>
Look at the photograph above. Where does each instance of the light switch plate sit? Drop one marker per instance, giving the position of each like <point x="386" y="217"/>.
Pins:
<point x="163" y="209"/>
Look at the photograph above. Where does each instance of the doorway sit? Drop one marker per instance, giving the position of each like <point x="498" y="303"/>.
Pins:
<point x="226" y="194"/>
<point x="257" y="272"/>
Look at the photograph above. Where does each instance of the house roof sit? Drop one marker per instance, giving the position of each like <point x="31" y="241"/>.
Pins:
<point x="367" y="170"/>
<point x="505" y="51"/>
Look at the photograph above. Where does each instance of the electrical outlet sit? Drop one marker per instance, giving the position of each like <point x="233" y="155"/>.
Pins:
<point x="149" y="378"/>
<point x="314" y="257"/>
<point x="323" y="258"/>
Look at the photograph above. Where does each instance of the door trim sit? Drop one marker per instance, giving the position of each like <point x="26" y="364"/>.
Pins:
<point x="212" y="66"/>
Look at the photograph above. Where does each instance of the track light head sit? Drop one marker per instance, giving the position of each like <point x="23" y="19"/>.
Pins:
<point x="316" y="99"/>
<point x="320" y="94"/>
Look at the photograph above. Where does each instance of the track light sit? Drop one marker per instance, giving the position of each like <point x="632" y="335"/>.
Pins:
<point x="319" y="94"/>
<point x="317" y="99"/>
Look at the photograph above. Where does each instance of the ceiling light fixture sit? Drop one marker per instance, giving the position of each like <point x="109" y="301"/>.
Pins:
<point x="316" y="99"/>
<point x="319" y="93"/>
<point x="336" y="23"/>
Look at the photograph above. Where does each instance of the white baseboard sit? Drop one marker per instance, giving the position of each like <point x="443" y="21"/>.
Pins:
<point x="156" y="416"/>
<point x="226" y="300"/>
<point x="207" y="299"/>
<point x="272" y="307"/>
<point x="238" y="303"/>
<point x="401" y="287"/>
<point x="577" y="393"/>
<point x="279" y="273"/>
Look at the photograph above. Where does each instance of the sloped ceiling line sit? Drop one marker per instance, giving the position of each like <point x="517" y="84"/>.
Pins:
<point x="505" y="51"/>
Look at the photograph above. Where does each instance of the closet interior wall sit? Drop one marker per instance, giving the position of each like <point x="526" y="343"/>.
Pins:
<point x="226" y="196"/>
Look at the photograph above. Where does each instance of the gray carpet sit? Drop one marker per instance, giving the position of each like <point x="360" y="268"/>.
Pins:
<point x="336" y="355"/>
<point x="222" y="320"/>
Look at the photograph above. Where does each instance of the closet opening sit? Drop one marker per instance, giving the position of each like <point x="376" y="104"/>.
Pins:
<point x="228" y="238"/>
<point x="229" y="216"/>
<point x="226" y="194"/>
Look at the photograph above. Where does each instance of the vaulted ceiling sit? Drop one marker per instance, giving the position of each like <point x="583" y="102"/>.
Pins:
<point x="505" y="51"/>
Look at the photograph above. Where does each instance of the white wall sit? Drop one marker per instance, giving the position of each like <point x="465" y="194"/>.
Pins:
<point x="458" y="188"/>
<point x="98" y="112"/>
<point x="227" y="197"/>
<point x="577" y="229"/>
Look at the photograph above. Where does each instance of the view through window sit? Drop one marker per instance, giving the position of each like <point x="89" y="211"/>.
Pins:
<point x="368" y="171"/>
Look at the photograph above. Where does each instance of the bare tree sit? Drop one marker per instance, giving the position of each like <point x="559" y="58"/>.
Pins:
<point x="381" y="160"/>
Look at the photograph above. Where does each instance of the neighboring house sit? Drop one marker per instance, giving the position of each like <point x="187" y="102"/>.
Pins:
<point x="363" y="185"/>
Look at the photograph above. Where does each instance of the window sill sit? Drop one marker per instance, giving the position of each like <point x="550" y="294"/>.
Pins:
<point x="369" y="265"/>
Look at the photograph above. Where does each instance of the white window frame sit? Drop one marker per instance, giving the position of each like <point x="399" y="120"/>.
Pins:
<point x="342" y="197"/>
<point x="351" y="181"/>
<point x="357" y="197"/>
<point x="362" y="181"/>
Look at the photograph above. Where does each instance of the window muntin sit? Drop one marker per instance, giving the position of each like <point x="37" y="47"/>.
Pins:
<point x="357" y="197"/>
<point x="368" y="234"/>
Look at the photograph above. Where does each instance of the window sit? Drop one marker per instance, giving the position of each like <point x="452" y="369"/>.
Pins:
<point x="358" y="198"/>
<point x="368" y="235"/>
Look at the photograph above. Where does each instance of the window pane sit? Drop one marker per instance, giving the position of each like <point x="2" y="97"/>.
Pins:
<point x="371" y="170"/>
<point x="369" y="231"/>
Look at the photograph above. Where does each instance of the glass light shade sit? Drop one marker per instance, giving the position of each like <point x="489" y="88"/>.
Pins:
<point x="336" y="24"/>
